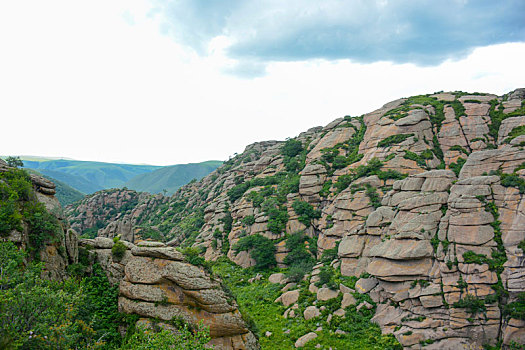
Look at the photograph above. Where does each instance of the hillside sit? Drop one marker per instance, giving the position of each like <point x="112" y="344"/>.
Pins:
<point x="59" y="292"/>
<point x="64" y="193"/>
<point x="406" y="223"/>
<point x="171" y="178"/>
<point x="88" y="177"/>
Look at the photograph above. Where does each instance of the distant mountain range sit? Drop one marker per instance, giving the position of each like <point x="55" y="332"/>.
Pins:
<point x="170" y="178"/>
<point x="76" y="177"/>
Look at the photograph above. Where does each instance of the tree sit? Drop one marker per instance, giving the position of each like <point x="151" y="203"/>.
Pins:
<point x="14" y="162"/>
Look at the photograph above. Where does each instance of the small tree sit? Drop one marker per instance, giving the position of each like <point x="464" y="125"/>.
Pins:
<point x="14" y="162"/>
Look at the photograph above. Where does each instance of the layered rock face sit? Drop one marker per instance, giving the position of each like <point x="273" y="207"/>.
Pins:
<point x="441" y="245"/>
<point x="157" y="284"/>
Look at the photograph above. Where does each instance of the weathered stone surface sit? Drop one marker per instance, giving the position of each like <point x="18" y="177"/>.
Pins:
<point x="311" y="312"/>
<point x="158" y="252"/>
<point x="384" y="268"/>
<point x="348" y="299"/>
<point x="405" y="249"/>
<point x="324" y="294"/>
<point x="305" y="339"/>
<point x="277" y="278"/>
<point x="364" y="285"/>
<point x="288" y="298"/>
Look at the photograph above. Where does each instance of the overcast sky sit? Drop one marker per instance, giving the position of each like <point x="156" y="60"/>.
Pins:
<point x="168" y="82"/>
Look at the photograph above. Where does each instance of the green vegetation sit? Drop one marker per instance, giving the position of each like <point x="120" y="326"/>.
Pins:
<point x="471" y="303"/>
<point x="160" y="339"/>
<point x="459" y="149"/>
<point x="15" y="162"/>
<point x="257" y="300"/>
<point x="459" y="110"/>
<point x="306" y="212"/>
<point x="421" y="158"/>
<point x="516" y="309"/>
<point x="371" y="193"/>
<point x="373" y="167"/>
<point x="171" y="178"/>
<point x="393" y="140"/>
<point x="261" y="250"/>
<point x="78" y="313"/>
<point x="331" y="157"/>
<point x="299" y="259"/>
<point x="18" y="206"/>
<point x="118" y="250"/>
<point x="457" y="166"/>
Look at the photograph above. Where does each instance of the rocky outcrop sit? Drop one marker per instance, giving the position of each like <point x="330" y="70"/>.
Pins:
<point x="61" y="249"/>
<point x="412" y="194"/>
<point x="155" y="282"/>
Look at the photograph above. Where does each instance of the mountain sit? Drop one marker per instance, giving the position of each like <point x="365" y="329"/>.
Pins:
<point x="64" y="193"/>
<point x="85" y="176"/>
<point x="170" y="178"/>
<point x="399" y="228"/>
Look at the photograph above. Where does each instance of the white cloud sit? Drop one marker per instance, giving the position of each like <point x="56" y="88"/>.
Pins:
<point x="87" y="81"/>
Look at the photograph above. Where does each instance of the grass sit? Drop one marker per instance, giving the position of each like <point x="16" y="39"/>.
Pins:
<point x="256" y="300"/>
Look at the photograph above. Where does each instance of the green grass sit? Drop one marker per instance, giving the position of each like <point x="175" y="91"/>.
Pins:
<point x="256" y="301"/>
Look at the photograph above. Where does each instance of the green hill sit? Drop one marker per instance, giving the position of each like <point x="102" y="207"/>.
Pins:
<point x="170" y="178"/>
<point x="85" y="176"/>
<point x="64" y="193"/>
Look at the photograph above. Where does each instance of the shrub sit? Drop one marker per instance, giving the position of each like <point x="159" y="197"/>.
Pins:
<point x="261" y="249"/>
<point x="248" y="220"/>
<point x="373" y="196"/>
<point x="305" y="211"/>
<point x="298" y="254"/>
<point x="118" y="250"/>
<point x="291" y="148"/>
<point x="393" y="140"/>
<point x="457" y="166"/>
<point x="516" y="309"/>
<point x="471" y="303"/>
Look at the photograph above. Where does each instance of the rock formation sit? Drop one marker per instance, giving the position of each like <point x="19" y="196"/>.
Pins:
<point x="424" y="194"/>
<point x="156" y="283"/>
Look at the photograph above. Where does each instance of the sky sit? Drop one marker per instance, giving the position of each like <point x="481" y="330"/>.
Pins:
<point x="168" y="82"/>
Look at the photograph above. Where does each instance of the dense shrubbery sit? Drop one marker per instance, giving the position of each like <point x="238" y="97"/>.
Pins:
<point x="393" y="140"/>
<point x="299" y="259"/>
<point x="306" y="212"/>
<point x="261" y="249"/>
<point x="373" y="167"/>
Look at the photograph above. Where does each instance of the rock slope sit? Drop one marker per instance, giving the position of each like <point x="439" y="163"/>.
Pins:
<point x="424" y="194"/>
<point x="156" y="283"/>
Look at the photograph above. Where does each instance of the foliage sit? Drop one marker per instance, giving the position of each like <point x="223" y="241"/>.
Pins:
<point x="227" y="220"/>
<point x="516" y="309"/>
<point x="371" y="193"/>
<point x="291" y="148"/>
<point x="471" y="303"/>
<point x="513" y="180"/>
<point x="459" y="149"/>
<point x="457" y="166"/>
<point x="306" y="212"/>
<point x="393" y="140"/>
<point x="184" y="339"/>
<point x="248" y="220"/>
<point x="118" y="250"/>
<point x="299" y="259"/>
<point x="261" y="249"/>
<point x="257" y="300"/>
<point x="14" y="162"/>
<point x="40" y="314"/>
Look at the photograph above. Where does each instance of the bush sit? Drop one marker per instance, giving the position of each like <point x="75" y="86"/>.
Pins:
<point x="305" y="211"/>
<point x="248" y="220"/>
<point x="471" y="303"/>
<point x="261" y="249"/>
<point x="118" y="250"/>
<point x="457" y="166"/>
<point x="291" y="148"/>
<point x="516" y="309"/>
<point x="145" y="339"/>
<point x="393" y="140"/>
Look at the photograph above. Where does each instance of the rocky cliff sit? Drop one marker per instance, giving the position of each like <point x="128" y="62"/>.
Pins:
<point x="424" y="195"/>
<point x="40" y="225"/>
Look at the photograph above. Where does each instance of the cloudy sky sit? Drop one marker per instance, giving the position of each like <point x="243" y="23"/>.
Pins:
<point x="166" y="82"/>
